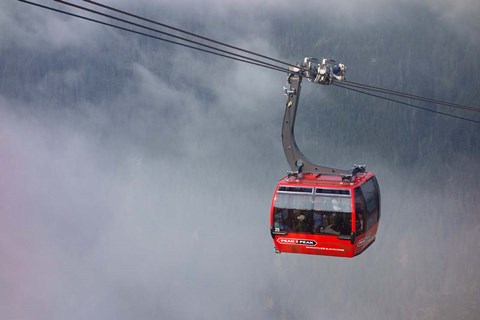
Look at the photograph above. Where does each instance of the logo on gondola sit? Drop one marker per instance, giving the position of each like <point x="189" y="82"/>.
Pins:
<point x="368" y="238"/>
<point x="300" y="242"/>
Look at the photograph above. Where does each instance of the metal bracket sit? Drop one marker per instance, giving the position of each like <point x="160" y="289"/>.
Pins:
<point x="324" y="73"/>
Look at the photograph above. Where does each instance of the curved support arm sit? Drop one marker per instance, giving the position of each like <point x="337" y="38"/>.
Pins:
<point x="298" y="162"/>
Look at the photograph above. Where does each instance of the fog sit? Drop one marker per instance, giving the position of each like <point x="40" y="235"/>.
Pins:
<point x="136" y="177"/>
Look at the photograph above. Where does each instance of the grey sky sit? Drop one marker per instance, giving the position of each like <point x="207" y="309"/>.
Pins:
<point x="136" y="178"/>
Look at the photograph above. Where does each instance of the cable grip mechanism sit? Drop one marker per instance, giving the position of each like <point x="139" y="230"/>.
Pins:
<point x="324" y="72"/>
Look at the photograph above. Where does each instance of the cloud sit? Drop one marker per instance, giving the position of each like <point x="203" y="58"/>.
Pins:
<point x="27" y="26"/>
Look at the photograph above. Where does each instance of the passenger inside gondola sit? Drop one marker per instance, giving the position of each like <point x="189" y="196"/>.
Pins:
<point x="318" y="222"/>
<point x="302" y="224"/>
<point x="332" y="227"/>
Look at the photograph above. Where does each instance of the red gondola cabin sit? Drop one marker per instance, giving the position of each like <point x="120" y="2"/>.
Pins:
<point x="325" y="215"/>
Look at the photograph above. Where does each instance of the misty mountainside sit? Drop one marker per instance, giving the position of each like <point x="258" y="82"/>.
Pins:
<point x="420" y="55"/>
<point x="136" y="176"/>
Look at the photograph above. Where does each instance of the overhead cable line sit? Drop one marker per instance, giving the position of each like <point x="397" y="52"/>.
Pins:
<point x="166" y="33"/>
<point x="154" y="37"/>
<point x="187" y="32"/>
<point x="363" y="86"/>
<point x="349" y="85"/>
<point x="411" y="96"/>
<point x="405" y="103"/>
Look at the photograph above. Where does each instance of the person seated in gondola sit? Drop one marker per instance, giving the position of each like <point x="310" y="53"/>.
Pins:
<point x="345" y="224"/>
<point x="278" y="223"/>
<point x="333" y="227"/>
<point x="317" y="222"/>
<point x="302" y="224"/>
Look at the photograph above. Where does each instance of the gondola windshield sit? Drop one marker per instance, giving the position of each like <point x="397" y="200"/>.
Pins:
<point x="309" y="210"/>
